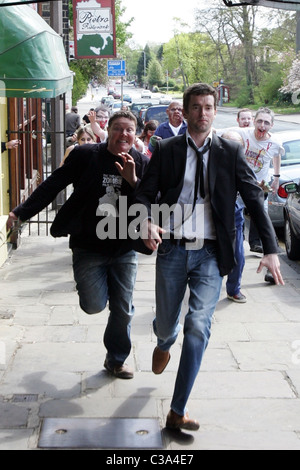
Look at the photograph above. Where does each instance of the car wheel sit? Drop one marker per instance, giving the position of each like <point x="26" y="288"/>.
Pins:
<point x="292" y="244"/>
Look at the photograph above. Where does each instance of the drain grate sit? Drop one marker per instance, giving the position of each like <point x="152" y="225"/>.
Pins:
<point x="24" y="398"/>
<point x="93" y="433"/>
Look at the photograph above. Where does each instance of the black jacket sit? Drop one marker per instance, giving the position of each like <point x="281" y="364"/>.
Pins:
<point x="86" y="168"/>
<point x="228" y="173"/>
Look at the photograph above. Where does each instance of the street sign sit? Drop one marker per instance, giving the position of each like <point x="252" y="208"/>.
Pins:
<point x="116" y="68"/>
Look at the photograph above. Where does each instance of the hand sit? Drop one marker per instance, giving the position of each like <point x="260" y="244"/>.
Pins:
<point x="12" y="218"/>
<point x="139" y="144"/>
<point x="275" y="185"/>
<point x="271" y="262"/>
<point x="264" y="186"/>
<point x="151" y="235"/>
<point x="92" y="116"/>
<point x="12" y="144"/>
<point x="127" y="171"/>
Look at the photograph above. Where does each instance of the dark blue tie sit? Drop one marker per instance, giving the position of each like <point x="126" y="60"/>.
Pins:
<point x="199" y="176"/>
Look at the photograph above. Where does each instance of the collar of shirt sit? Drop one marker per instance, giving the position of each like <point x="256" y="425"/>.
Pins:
<point x="207" y="140"/>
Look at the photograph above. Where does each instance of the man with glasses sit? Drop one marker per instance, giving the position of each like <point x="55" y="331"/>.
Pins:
<point x="174" y="126"/>
<point x="99" y="119"/>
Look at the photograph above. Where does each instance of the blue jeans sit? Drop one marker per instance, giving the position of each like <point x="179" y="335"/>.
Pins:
<point x="101" y="279"/>
<point x="234" y="278"/>
<point x="177" y="268"/>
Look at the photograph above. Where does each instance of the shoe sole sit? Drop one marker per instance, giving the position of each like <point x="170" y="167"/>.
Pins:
<point x="187" y="427"/>
<point x="125" y="375"/>
<point x="241" y="301"/>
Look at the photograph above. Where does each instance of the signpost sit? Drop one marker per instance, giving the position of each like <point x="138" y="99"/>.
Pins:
<point x="116" y="68"/>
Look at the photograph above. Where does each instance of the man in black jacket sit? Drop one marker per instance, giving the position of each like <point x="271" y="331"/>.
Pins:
<point x="104" y="265"/>
<point x="198" y="176"/>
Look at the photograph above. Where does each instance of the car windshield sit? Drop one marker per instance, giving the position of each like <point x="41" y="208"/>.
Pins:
<point x="292" y="153"/>
<point x="157" y="113"/>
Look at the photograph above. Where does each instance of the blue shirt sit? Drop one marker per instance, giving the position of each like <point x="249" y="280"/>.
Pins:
<point x="164" y="131"/>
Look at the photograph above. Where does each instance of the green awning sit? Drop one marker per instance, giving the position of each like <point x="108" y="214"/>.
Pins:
<point x="33" y="62"/>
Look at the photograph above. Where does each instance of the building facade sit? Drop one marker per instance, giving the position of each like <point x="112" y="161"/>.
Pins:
<point x="34" y="81"/>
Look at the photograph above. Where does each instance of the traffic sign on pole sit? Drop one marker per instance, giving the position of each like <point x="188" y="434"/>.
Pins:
<point x="116" y="68"/>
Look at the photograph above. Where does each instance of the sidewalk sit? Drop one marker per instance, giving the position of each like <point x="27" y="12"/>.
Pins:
<point x="51" y="359"/>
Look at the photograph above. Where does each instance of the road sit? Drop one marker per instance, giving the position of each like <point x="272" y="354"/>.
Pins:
<point x="226" y="117"/>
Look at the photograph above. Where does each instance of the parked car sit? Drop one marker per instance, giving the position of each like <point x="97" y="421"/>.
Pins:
<point x="292" y="220"/>
<point x="290" y="169"/>
<point x="117" y="95"/>
<point x="127" y="98"/>
<point x="146" y="94"/>
<point x="110" y="90"/>
<point x="138" y="105"/>
<point x="158" y="112"/>
<point x="165" y="99"/>
<point x="107" y="101"/>
<point x="116" y="107"/>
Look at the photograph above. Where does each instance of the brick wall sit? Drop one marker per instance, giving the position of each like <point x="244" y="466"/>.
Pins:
<point x="45" y="13"/>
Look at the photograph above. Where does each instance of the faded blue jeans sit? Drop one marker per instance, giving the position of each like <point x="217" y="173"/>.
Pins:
<point x="234" y="278"/>
<point x="101" y="279"/>
<point x="177" y="268"/>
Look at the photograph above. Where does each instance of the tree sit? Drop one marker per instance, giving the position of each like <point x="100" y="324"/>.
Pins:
<point x="122" y="28"/>
<point x="292" y="85"/>
<point x="142" y="65"/>
<point x="155" y="73"/>
<point x="233" y="27"/>
<point x="191" y="57"/>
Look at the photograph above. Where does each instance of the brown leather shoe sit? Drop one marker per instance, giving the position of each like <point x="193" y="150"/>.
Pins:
<point x="160" y="360"/>
<point x="175" y="421"/>
<point x="121" y="372"/>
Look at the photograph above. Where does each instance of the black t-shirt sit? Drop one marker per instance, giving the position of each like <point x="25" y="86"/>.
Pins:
<point x="101" y="218"/>
<point x="97" y="189"/>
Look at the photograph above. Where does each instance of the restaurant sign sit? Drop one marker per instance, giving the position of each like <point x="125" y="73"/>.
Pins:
<point x="94" y="29"/>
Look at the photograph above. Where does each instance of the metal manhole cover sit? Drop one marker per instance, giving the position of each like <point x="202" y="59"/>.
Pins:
<point x="96" y="433"/>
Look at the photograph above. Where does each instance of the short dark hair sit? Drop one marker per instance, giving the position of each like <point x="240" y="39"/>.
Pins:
<point x="103" y="108"/>
<point x="124" y="114"/>
<point x="266" y="111"/>
<point x="199" y="89"/>
<point x="244" y="110"/>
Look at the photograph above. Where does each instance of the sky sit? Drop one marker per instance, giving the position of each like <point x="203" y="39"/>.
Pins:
<point x="154" y="18"/>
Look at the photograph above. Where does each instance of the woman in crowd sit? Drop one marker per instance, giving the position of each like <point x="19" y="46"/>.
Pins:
<point x="146" y="135"/>
<point x="84" y="135"/>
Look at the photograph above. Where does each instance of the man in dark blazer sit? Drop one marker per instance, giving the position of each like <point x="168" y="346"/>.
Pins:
<point x="196" y="243"/>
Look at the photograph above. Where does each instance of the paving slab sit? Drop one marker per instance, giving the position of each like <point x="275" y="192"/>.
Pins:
<point x="246" y="396"/>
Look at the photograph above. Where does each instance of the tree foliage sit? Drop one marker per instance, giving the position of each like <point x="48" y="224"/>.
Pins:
<point x="155" y="73"/>
<point x="292" y="82"/>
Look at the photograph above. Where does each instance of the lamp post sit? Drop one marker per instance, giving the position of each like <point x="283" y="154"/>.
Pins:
<point x="144" y="69"/>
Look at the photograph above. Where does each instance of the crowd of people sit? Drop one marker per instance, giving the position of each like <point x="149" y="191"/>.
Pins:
<point x="205" y="177"/>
